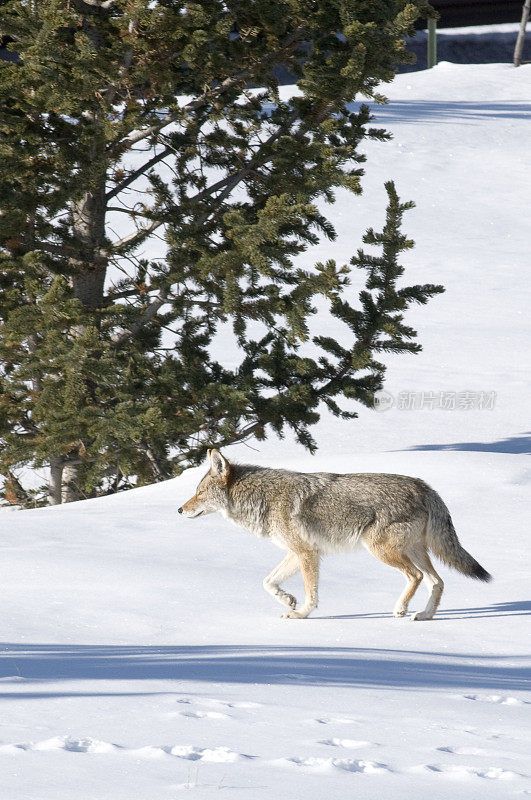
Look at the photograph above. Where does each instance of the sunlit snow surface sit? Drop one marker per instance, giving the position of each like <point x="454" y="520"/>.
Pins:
<point x="140" y="657"/>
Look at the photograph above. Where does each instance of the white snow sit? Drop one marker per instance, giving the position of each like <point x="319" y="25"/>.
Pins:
<point x="140" y="656"/>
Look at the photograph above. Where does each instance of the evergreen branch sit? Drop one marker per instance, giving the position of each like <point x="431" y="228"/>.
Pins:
<point x="226" y="184"/>
<point x="212" y="93"/>
<point x="14" y="492"/>
<point x="28" y="426"/>
<point x="232" y="181"/>
<point x="150" y="312"/>
<point x="238" y="436"/>
<point x="112" y="296"/>
<point x="137" y="236"/>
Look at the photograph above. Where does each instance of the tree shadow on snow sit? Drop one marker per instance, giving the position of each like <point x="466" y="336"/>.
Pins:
<point x="449" y="112"/>
<point x="23" y="665"/>
<point x="515" y="444"/>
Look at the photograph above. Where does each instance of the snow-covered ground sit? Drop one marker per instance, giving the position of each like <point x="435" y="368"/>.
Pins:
<point x="141" y="657"/>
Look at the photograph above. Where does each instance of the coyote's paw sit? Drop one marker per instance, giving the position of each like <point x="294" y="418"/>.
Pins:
<point x="289" y="601"/>
<point x="400" y="612"/>
<point x="421" y="615"/>
<point x="293" y="615"/>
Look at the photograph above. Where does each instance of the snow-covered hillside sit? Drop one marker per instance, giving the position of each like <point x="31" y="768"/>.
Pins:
<point x="141" y="657"/>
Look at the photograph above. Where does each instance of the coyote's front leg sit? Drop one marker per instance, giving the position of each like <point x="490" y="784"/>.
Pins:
<point x="287" y="567"/>
<point x="309" y="562"/>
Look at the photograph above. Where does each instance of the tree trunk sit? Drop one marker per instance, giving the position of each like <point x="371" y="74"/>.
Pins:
<point x="521" y="34"/>
<point x="55" y="484"/>
<point x="159" y="473"/>
<point x="69" y="484"/>
<point x="89" y="272"/>
<point x="88" y="225"/>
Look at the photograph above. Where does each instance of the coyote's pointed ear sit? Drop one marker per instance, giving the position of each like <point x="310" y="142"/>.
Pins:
<point x="218" y="464"/>
<point x="208" y="453"/>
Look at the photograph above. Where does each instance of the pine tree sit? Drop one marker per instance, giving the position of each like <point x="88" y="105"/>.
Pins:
<point x="123" y="123"/>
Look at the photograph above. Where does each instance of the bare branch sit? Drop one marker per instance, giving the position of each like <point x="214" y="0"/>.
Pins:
<point x="137" y="236"/>
<point x="137" y="173"/>
<point x="160" y="474"/>
<point x="120" y="210"/>
<point x="103" y="4"/>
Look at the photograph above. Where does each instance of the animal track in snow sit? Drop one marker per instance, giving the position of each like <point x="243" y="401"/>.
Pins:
<point x="462" y="771"/>
<point x="204" y="714"/>
<point x="351" y="744"/>
<point x="87" y="745"/>
<point x="219" y="755"/>
<point x="215" y="754"/>
<point x="335" y="721"/>
<point x="471" y="751"/>
<point x="462" y="751"/>
<point x="244" y="704"/>
<point x="347" y="764"/>
<point x="496" y="698"/>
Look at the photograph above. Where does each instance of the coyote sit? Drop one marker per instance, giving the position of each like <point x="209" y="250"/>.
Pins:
<point x="397" y="518"/>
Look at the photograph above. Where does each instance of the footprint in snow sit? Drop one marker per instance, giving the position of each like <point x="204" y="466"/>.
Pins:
<point x="244" y="704"/>
<point x="463" y="772"/>
<point x="335" y="721"/>
<point x="204" y="715"/>
<point x="496" y="698"/>
<point x="219" y="755"/>
<point x="473" y="751"/>
<point x="346" y="764"/>
<point x="87" y="745"/>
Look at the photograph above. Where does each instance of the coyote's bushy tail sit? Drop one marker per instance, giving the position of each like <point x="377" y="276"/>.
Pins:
<point x="443" y="542"/>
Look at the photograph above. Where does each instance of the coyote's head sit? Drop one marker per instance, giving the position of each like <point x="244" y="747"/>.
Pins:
<point x="211" y="493"/>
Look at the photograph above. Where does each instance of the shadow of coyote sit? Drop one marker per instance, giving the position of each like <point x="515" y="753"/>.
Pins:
<point x="397" y="518"/>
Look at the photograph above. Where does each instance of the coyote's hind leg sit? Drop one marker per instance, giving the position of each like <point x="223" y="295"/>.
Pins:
<point x="287" y="567"/>
<point x="414" y="577"/>
<point x="400" y="561"/>
<point x="422" y="560"/>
